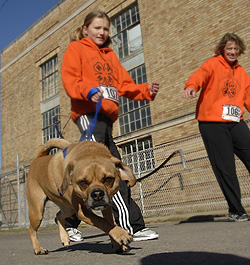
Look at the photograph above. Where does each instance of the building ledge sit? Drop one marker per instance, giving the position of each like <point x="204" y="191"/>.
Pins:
<point x="153" y="128"/>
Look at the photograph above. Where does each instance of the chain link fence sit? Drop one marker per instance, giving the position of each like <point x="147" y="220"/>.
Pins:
<point x="171" y="179"/>
<point x="187" y="186"/>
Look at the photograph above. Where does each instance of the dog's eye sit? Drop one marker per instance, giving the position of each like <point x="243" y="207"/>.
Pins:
<point x="108" y="180"/>
<point x="83" y="183"/>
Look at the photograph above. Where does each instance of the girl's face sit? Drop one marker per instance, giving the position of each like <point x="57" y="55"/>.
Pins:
<point x="231" y="52"/>
<point x="97" y="31"/>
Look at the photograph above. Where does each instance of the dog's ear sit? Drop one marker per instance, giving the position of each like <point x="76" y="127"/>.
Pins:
<point x="67" y="177"/>
<point x="125" y="172"/>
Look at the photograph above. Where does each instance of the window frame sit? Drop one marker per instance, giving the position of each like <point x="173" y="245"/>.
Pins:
<point x="121" y="25"/>
<point x="51" y="124"/>
<point x="138" y="155"/>
<point x="49" y="78"/>
<point x="134" y="115"/>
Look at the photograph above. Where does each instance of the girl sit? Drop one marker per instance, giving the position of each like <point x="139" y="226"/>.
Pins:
<point x="90" y="71"/>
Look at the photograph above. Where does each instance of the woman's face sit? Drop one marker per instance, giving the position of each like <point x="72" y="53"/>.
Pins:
<point x="97" y="31"/>
<point x="231" y="52"/>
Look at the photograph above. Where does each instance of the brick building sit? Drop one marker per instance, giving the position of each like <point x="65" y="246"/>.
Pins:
<point x="155" y="40"/>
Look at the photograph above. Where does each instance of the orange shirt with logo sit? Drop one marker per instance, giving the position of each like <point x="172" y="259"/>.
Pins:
<point x="221" y="85"/>
<point x="86" y="66"/>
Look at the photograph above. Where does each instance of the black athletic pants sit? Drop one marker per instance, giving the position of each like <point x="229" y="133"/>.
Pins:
<point x="222" y="141"/>
<point x="126" y="212"/>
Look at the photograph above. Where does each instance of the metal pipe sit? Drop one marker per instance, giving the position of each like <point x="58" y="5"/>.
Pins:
<point x="18" y="190"/>
<point x="141" y="197"/>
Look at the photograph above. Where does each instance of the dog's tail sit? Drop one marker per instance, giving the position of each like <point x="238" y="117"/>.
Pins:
<point x="52" y="143"/>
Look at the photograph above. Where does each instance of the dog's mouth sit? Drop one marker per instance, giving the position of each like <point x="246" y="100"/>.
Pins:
<point x="101" y="206"/>
<point x="98" y="205"/>
<point x="98" y="200"/>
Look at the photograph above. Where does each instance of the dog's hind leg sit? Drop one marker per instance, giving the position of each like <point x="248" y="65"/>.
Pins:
<point x="63" y="233"/>
<point x="36" y="210"/>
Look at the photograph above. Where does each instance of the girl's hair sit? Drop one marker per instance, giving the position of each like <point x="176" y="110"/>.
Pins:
<point x="78" y="33"/>
<point x="219" y="50"/>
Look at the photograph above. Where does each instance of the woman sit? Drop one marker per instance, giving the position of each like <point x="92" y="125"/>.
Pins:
<point x="225" y="90"/>
<point x="90" y="71"/>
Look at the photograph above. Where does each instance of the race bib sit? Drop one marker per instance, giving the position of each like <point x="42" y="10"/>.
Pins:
<point x="110" y="92"/>
<point x="231" y="113"/>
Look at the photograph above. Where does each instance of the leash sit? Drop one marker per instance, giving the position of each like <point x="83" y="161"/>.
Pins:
<point x="88" y="133"/>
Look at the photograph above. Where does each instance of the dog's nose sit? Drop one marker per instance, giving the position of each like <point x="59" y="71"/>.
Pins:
<point x="97" y="195"/>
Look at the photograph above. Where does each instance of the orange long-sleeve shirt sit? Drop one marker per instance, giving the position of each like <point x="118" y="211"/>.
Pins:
<point x="221" y="84"/>
<point x="86" y="66"/>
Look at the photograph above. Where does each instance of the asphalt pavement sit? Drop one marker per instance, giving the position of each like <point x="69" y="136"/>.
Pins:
<point x="204" y="239"/>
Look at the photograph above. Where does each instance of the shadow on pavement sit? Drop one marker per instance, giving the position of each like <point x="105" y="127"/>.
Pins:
<point x="194" y="258"/>
<point x="96" y="247"/>
<point x="205" y="218"/>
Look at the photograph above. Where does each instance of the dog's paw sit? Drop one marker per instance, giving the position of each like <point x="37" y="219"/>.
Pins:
<point x="66" y="242"/>
<point x="64" y="238"/>
<point x="120" y="239"/>
<point x="41" y="251"/>
<point x="121" y="249"/>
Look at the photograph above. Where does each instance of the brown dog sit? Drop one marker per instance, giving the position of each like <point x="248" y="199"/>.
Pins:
<point x="85" y="179"/>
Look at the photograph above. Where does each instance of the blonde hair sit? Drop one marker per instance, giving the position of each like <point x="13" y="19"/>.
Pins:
<point x="219" y="50"/>
<point x="78" y="32"/>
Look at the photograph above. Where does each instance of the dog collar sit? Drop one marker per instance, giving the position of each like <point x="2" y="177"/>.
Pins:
<point x="65" y="152"/>
<point x="59" y="192"/>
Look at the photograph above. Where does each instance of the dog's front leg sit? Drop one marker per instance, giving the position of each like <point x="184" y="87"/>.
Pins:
<point x="118" y="234"/>
<point x="120" y="237"/>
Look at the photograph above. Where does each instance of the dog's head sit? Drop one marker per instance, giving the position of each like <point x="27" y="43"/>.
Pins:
<point x="95" y="178"/>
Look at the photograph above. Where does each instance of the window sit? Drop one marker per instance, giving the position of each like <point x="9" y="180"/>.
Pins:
<point x="49" y="78"/>
<point x="127" y="42"/>
<point x="134" y="115"/>
<point x="51" y="124"/>
<point x="126" y="32"/>
<point x="50" y="109"/>
<point x="138" y="155"/>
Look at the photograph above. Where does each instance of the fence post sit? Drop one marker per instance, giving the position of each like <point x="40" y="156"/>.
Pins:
<point x="26" y="204"/>
<point x="140" y="186"/>
<point x="141" y="197"/>
<point x="1" y="217"/>
<point x="18" y="190"/>
<point x="6" y="208"/>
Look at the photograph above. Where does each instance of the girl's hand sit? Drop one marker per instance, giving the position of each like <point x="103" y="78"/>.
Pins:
<point x="97" y="96"/>
<point x="189" y="92"/>
<point x="154" y="88"/>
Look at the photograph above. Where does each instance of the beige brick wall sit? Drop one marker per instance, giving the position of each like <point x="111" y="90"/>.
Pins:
<point x="177" y="37"/>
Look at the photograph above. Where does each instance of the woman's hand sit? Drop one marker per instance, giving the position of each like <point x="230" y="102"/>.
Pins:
<point x="190" y="91"/>
<point x="154" y="88"/>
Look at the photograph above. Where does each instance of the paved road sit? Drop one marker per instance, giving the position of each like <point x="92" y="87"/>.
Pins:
<point x="193" y="241"/>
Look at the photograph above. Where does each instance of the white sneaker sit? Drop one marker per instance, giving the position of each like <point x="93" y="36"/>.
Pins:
<point x="145" y="234"/>
<point x="234" y="217"/>
<point x="74" y="234"/>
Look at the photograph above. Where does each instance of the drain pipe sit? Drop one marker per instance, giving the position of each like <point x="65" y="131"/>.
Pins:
<point x="18" y="190"/>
